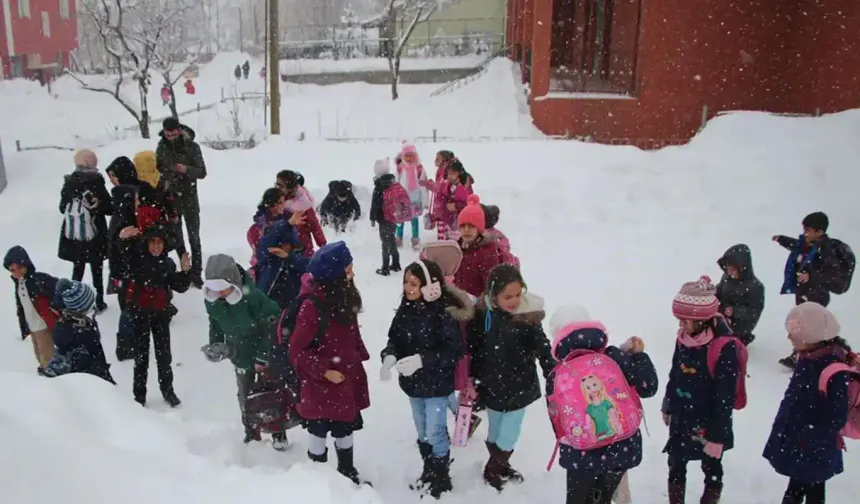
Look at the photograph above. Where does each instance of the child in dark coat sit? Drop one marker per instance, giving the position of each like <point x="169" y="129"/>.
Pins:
<point x="383" y="179"/>
<point x="147" y="294"/>
<point x="593" y="476"/>
<point x="34" y="296"/>
<point x="804" y="443"/>
<point x="505" y="340"/>
<point x="741" y="294"/>
<point x="280" y="263"/>
<point x="77" y="339"/>
<point x="339" y="207"/>
<point x="424" y="346"/>
<point x="698" y="408"/>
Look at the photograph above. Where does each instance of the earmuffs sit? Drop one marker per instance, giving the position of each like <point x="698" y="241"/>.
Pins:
<point x="432" y="290"/>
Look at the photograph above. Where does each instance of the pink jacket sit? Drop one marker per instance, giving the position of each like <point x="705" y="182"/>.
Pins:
<point x="504" y="247"/>
<point x="478" y="261"/>
<point x="445" y="194"/>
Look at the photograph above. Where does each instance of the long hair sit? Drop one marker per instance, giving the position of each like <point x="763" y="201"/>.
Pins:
<point x="270" y="198"/>
<point x="502" y="276"/>
<point x="342" y="298"/>
<point x="448" y="298"/>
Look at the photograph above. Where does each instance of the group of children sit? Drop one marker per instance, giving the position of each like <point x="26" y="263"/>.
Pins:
<point x="467" y="336"/>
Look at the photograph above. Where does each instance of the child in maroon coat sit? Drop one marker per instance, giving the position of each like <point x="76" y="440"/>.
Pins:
<point x="330" y="366"/>
<point x="481" y="252"/>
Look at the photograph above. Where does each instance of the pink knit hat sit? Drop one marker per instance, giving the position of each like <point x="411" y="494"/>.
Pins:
<point x="696" y="301"/>
<point x="473" y="214"/>
<point x="408" y="148"/>
<point x="811" y="323"/>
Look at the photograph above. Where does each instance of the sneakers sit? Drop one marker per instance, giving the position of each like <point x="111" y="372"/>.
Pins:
<point x="383" y="271"/>
<point x="279" y="441"/>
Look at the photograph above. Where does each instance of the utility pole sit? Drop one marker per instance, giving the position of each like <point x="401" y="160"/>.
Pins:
<point x="241" y="38"/>
<point x="274" y="69"/>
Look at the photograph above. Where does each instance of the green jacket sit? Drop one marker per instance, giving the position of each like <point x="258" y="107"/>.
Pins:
<point x="246" y="327"/>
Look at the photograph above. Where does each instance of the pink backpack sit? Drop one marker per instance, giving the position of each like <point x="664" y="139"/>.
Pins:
<point x="592" y="404"/>
<point x="396" y="205"/>
<point x="851" y="430"/>
<point x="715" y="349"/>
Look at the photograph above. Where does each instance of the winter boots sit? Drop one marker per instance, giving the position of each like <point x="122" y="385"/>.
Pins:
<point x="677" y="493"/>
<point x="498" y="471"/>
<point x="436" y="475"/>
<point x="416" y="243"/>
<point x="346" y="467"/>
<point x="252" y="435"/>
<point x="426" y="451"/>
<point x="170" y="398"/>
<point x="712" y="494"/>
<point x="279" y="441"/>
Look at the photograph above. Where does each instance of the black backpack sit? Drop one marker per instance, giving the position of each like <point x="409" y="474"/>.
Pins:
<point x="847" y="263"/>
<point x="279" y="362"/>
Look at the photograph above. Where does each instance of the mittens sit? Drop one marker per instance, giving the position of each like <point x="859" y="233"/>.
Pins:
<point x="216" y="352"/>
<point x="713" y="450"/>
<point x="387" y="363"/>
<point x="407" y="366"/>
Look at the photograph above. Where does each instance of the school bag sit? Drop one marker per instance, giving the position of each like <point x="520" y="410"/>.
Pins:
<point x="847" y="263"/>
<point x="851" y="430"/>
<point x="270" y="405"/>
<point x="279" y="360"/>
<point x="592" y="405"/>
<point x="396" y="205"/>
<point x="715" y="349"/>
<point x="78" y="218"/>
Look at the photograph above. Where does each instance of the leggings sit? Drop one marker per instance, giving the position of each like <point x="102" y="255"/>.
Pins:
<point x="713" y="469"/>
<point x="96" y="270"/>
<point x="804" y="493"/>
<point x="416" y="228"/>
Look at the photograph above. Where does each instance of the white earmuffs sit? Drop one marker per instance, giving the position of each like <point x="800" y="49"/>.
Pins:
<point x="433" y="290"/>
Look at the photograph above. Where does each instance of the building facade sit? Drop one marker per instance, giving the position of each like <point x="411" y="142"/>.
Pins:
<point x="37" y="37"/>
<point x="651" y="73"/>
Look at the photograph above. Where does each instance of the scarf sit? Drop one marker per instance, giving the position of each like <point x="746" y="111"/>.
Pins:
<point x="86" y="169"/>
<point x="701" y="339"/>
<point x="411" y="171"/>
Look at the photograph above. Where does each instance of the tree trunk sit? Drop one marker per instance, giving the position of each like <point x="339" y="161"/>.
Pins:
<point x="395" y="77"/>
<point x="143" y="122"/>
<point x="172" y="103"/>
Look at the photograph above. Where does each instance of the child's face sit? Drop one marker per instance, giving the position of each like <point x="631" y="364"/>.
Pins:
<point x="452" y="176"/>
<point x="690" y="326"/>
<point x="18" y="271"/>
<point x="812" y="235"/>
<point x="350" y="273"/>
<point x="113" y="179"/>
<point x="510" y="297"/>
<point x="282" y="185"/>
<point x="439" y="160"/>
<point x="155" y="245"/>
<point x="469" y="233"/>
<point x="733" y="271"/>
<point x="410" y="158"/>
<point x="278" y="208"/>
<point x="411" y="287"/>
<point x="224" y="293"/>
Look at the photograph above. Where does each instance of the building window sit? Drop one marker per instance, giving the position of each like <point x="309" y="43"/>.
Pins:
<point x="16" y="68"/>
<point x="46" y="25"/>
<point x="64" y="9"/>
<point x="23" y="9"/>
<point x="594" y="46"/>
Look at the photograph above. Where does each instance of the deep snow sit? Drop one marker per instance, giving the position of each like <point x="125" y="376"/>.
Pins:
<point x="613" y="228"/>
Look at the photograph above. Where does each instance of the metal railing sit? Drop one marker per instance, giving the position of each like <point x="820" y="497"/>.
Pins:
<point x="426" y="47"/>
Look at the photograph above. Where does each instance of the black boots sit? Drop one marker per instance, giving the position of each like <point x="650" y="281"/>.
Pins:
<point x="677" y="493"/>
<point x="252" y="435"/>
<point x="435" y="478"/>
<point x="170" y="398"/>
<point x="712" y="494"/>
<point x="426" y="451"/>
<point x="320" y="459"/>
<point x="346" y="466"/>
<point x="498" y="471"/>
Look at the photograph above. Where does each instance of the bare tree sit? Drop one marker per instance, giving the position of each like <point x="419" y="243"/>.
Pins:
<point x="137" y="36"/>
<point x="418" y="10"/>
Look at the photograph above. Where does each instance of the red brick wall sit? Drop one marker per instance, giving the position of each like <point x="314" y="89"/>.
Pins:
<point x="30" y="40"/>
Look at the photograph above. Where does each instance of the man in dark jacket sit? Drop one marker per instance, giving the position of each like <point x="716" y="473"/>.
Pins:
<point x="180" y="162"/>
<point x="814" y="268"/>
<point x="741" y="294"/>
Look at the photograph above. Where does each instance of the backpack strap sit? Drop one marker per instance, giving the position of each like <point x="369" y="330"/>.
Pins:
<point x="293" y="313"/>
<point x="829" y="371"/>
<point x="715" y="350"/>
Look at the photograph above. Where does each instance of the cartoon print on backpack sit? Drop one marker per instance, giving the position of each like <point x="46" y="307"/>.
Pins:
<point x="601" y="410"/>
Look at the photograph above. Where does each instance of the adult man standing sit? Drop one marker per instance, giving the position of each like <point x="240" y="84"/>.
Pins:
<point x="181" y="164"/>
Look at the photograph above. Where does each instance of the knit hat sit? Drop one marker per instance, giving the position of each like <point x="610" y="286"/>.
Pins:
<point x="447" y="254"/>
<point x="77" y="297"/>
<point x="696" y="300"/>
<point x="381" y="167"/>
<point x="473" y="214"/>
<point x="408" y="148"/>
<point x="146" y="168"/>
<point x="811" y="323"/>
<point x="330" y="261"/>
<point x="86" y="158"/>
<point x="171" y="123"/>
<point x="566" y="317"/>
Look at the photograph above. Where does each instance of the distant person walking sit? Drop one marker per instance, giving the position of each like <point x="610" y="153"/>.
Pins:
<point x="246" y="69"/>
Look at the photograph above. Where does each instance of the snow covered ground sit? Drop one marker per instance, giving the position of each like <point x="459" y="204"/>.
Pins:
<point x="306" y="66"/>
<point x="613" y="228"/>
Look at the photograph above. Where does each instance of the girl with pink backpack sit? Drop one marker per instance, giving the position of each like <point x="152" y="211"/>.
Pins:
<point x="704" y="387"/>
<point x="593" y="402"/>
<point x="805" y="443"/>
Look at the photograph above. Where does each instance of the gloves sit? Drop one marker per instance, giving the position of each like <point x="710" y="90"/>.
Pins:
<point x="713" y="450"/>
<point x="216" y="352"/>
<point x="407" y="366"/>
<point x="387" y="363"/>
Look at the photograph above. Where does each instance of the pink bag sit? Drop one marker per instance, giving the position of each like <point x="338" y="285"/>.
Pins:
<point x="851" y="430"/>
<point x="592" y="404"/>
<point x="462" y="423"/>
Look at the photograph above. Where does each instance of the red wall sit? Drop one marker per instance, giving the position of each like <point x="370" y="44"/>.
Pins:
<point x="28" y="33"/>
<point x="775" y="55"/>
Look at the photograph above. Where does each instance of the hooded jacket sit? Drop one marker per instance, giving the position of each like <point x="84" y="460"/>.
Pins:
<point x="152" y="279"/>
<point x="88" y="184"/>
<point x="335" y="211"/>
<point x="744" y="295"/>
<point x="280" y="278"/>
<point x="40" y="287"/>
<point x="122" y="199"/>
<point x="377" y="202"/>
<point x="248" y="326"/>
<point x="819" y="260"/>
<point x="503" y="348"/>
<point x="184" y="150"/>
<point x="77" y="339"/>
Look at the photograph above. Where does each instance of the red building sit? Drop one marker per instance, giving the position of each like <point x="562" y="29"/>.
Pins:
<point x="650" y="73"/>
<point x="36" y="36"/>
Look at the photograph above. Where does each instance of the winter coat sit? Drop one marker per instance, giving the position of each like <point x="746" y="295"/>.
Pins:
<point x="75" y="186"/>
<point x="418" y="196"/>
<point x="262" y="220"/>
<point x="428" y="330"/>
<point x="184" y="150"/>
<point x="40" y="286"/>
<point x="280" y="278"/>
<point x="336" y="212"/>
<point x="340" y="349"/>
<point x="504" y="247"/>
<point x="640" y="374"/>
<point x="462" y="316"/>
<point x="311" y="231"/>
<point x="804" y="443"/>
<point x="503" y="349"/>
<point x="247" y="327"/>
<point x="745" y="295"/>
<point x="479" y="259"/>
<point x="700" y="407"/>
<point x="819" y="260"/>
<point x="122" y="197"/>
<point x="447" y="193"/>
<point x="151" y="279"/>
<point x="77" y="339"/>
<point x="377" y="201"/>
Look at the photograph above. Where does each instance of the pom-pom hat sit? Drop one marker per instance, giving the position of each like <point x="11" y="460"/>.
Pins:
<point x="696" y="301"/>
<point x="473" y="214"/>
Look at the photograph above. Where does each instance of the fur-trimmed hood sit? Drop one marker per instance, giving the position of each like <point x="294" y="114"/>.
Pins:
<point x="467" y="312"/>
<point x="530" y="311"/>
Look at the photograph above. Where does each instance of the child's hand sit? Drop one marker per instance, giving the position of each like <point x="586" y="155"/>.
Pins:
<point x="775" y="238"/>
<point x="297" y="219"/>
<point x="802" y="278"/>
<point x="333" y="376"/>
<point x="713" y="450"/>
<point x="278" y="252"/>
<point x="633" y="345"/>
<point x="185" y="263"/>
<point x="666" y="419"/>
<point x="451" y="207"/>
<point x="129" y="232"/>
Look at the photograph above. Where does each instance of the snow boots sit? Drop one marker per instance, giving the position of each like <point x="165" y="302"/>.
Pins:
<point x="498" y="471"/>
<point x="712" y="494"/>
<point x="436" y="476"/>
<point x="345" y="465"/>
<point x="426" y="451"/>
<point x="677" y="493"/>
<point x="279" y="441"/>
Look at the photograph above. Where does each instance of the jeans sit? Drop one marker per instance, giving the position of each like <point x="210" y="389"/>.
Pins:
<point x="430" y="415"/>
<point x="390" y="255"/>
<point x="505" y="427"/>
<point x="416" y="228"/>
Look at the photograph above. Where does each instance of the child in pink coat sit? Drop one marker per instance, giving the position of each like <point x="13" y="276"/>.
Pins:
<point x="450" y="199"/>
<point x="481" y="251"/>
<point x="491" y="212"/>
<point x="411" y="175"/>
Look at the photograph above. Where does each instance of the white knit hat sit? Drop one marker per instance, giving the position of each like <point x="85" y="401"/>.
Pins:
<point x="566" y="315"/>
<point x="381" y="167"/>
